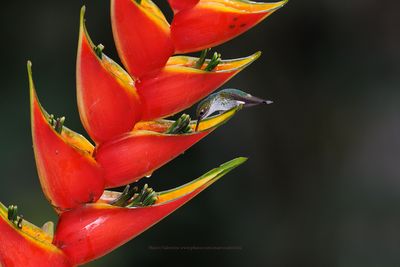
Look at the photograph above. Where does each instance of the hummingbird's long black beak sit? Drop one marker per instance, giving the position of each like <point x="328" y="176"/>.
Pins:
<point x="197" y="124"/>
<point x="250" y="100"/>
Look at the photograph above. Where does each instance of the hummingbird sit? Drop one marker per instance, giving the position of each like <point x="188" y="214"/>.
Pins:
<point x="225" y="100"/>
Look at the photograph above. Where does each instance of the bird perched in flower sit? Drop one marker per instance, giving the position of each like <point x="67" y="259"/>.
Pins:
<point x="225" y="100"/>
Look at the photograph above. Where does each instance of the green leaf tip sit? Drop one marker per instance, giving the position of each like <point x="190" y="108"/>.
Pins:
<point x="29" y="69"/>
<point x="234" y="162"/>
<point x="282" y="4"/>
<point x="82" y="14"/>
<point x="257" y="55"/>
<point x="30" y="78"/>
<point x="230" y="165"/>
<point x="224" y="168"/>
<point x="213" y="175"/>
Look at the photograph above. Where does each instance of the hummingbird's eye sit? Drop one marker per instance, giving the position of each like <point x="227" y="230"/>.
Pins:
<point x="202" y="112"/>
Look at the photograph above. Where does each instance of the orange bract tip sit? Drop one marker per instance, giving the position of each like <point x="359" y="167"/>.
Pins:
<point x="141" y="34"/>
<point x="213" y="22"/>
<point x="107" y="99"/>
<point x="68" y="174"/>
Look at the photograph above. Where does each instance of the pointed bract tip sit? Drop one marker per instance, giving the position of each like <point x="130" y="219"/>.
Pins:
<point x="83" y="10"/>
<point x="31" y="84"/>
<point x="225" y="168"/>
<point x="280" y="5"/>
<point x="82" y="16"/>
<point x="228" y="167"/>
<point x="29" y="69"/>
<point x="32" y="90"/>
<point x="200" y="183"/>
<point x="250" y="59"/>
<point x="245" y="61"/>
<point x="284" y="2"/>
<point x="234" y="163"/>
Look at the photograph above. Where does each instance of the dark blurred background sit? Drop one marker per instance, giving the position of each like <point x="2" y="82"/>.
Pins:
<point x="322" y="186"/>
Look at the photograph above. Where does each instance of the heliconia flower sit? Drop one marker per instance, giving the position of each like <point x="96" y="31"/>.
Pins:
<point x="181" y="83"/>
<point x="107" y="99"/>
<point x="68" y="174"/>
<point x="142" y="35"/>
<point x="138" y="153"/>
<point x="178" y="5"/>
<point x="121" y="112"/>
<point x="145" y="40"/>
<point x="88" y="232"/>
<point x="23" y="244"/>
<point x="213" y="22"/>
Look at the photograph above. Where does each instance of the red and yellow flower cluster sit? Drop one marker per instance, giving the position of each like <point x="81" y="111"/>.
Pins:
<point x="121" y="110"/>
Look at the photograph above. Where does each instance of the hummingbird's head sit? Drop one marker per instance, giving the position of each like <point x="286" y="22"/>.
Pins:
<point x="203" y="110"/>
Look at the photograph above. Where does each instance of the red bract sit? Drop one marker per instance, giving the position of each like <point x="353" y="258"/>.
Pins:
<point x="68" y="174"/>
<point x="88" y="232"/>
<point x="145" y="40"/>
<point x="27" y="246"/>
<point x="212" y="22"/>
<point x="73" y="172"/>
<point x="142" y="151"/>
<point x="142" y="35"/>
<point x="107" y="99"/>
<point x="139" y="153"/>
<point x="180" y="84"/>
